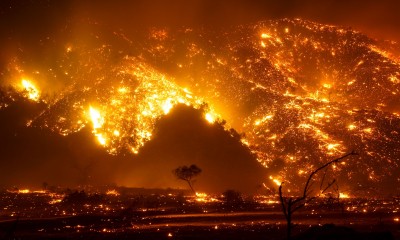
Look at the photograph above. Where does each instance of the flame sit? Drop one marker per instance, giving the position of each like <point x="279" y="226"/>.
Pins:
<point x="55" y="201"/>
<point x="351" y="127"/>
<point x="31" y="90"/>
<point x="203" y="197"/>
<point x="200" y="196"/>
<point x="96" y="118"/>
<point x="101" y="139"/>
<point x="167" y="106"/>
<point x="265" y="35"/>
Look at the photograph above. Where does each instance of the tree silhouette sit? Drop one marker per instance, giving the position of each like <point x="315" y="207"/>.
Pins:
<point x="291" y="205"/>
<point x="232" y="199"/>
<point x="187" y="174"/>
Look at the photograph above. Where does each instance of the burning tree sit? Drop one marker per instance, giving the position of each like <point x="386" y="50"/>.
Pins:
<point x="187" y="174"/>
<point x="291" y="205"/>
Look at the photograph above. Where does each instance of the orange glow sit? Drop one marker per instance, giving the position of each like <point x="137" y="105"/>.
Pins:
<point x="55" y="201"/>
<point x="327" y="85"/>
<point x="121" y="118"/>
<point x="288" y="87"/>
<point x="167" y="106"/>
<point x="332" y="146"/>
<point x="96" y="118"/>
<point x="113" y="192"/>
<point x="24" y="191"/>
<point x="351" y="127"/>
<point x="265" y="35"/>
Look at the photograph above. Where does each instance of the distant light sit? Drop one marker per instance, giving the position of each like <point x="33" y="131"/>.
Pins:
<point x="265" y="35"/>
<point x="263" y="44"/>
<point x="351" y="82"/>
<point x="113" y="192"/>
<point x="327" y="85"/>
<point x="332" y="146"/>
<point x="351" y="127"/>
<point x="123" y="90"/>
<point x="134" y="151"/>
<point x="24" y="191"/>
<point x="367" y="130"/>
<point x="343" y="195"/>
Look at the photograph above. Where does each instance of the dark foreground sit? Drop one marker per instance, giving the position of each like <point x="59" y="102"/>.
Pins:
<point x="243" y="225"/>
<point x="170" y="214"/>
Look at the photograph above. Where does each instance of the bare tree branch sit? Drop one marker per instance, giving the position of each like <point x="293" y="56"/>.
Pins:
<point x="328" y="186"/>
<point x="282" y="201"/>
<point x="323" y="179"/>
<point x="322" y="167"/>
<point x="290" y="205"/>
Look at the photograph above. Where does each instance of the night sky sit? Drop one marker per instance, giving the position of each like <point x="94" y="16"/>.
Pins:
<point x="33" y="39"/>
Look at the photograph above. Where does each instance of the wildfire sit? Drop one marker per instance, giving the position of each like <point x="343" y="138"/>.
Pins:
<point x="301" y="92"/>
<point x="128" y="112"/>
